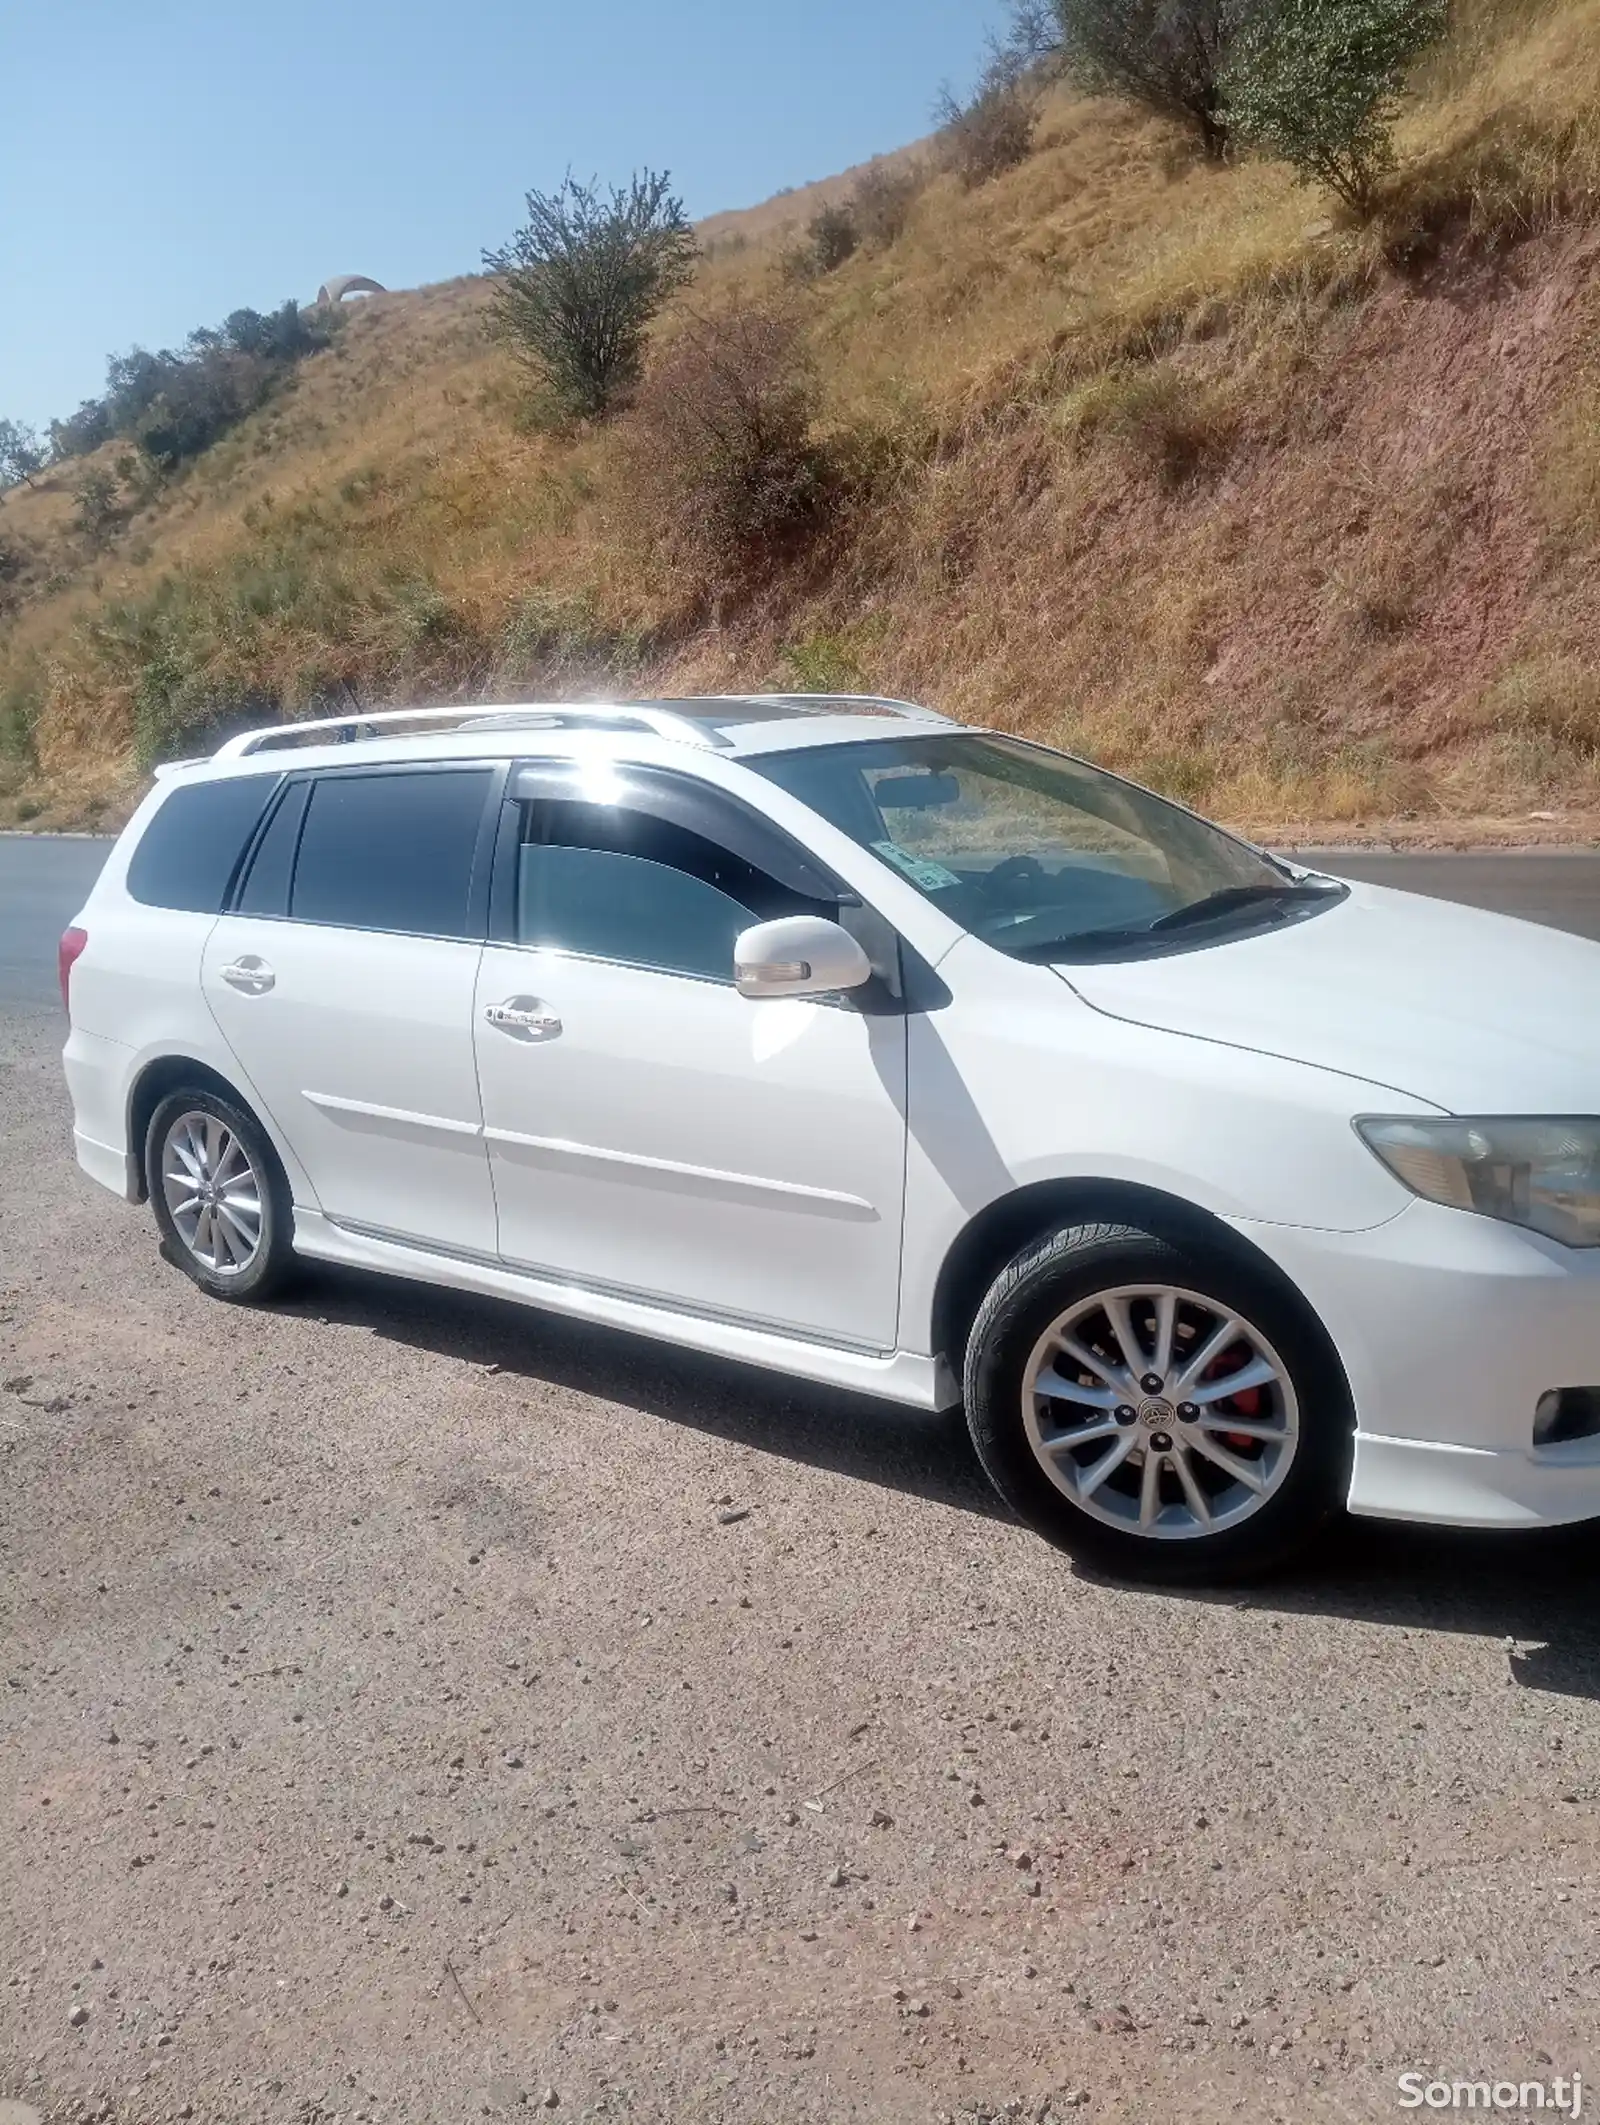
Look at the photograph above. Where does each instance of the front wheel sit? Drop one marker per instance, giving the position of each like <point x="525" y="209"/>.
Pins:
<point x="219" y="1196"/>
<point x="1162" y="1416"/>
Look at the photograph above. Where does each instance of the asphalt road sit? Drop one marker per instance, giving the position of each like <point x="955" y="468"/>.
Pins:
<point x="44" y="880"/>
<point x="414" y="1709"/>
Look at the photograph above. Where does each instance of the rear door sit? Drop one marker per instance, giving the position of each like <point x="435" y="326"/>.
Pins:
<point x="651" y="1132"/>
<point x="343" y="979"/>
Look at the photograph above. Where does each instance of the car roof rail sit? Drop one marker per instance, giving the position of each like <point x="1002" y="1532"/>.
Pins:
<point x="523" y="714"/>
<point x="873" y="704"/>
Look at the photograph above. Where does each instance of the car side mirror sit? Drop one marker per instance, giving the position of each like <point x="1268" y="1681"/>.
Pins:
<point x="798" y="955"/>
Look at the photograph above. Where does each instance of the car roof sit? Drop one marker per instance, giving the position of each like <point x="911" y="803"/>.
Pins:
<point x="727" y="726"/>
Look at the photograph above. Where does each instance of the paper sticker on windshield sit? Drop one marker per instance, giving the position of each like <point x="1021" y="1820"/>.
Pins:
<point x="930" y="876"/>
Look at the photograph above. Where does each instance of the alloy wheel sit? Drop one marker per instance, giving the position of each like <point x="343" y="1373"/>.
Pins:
<point x="212" y="1192"/>
<point x="1160" y="1411"/>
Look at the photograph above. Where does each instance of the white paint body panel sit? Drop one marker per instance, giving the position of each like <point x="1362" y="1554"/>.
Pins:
<point x="1473" y="1012"/>
<point x="692" y="1165"/>
<point x="362" y="1053"/>
<point x="896" y="1376"/>
<point x="738" y="1158"/>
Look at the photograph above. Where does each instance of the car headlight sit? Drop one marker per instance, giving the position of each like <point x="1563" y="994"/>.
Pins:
<point x="1542" y="1173"/>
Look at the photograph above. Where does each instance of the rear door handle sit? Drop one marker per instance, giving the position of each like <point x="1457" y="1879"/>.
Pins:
<point x="523" y="1018"/>
<point x="249" y="975"/>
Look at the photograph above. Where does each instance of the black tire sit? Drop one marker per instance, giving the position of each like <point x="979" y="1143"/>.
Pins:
<point x="270" y="1267"/>
<point x="1071" y="1266"/>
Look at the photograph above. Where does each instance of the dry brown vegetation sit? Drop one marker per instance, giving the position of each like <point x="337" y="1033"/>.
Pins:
<point x="1163" y="460"/>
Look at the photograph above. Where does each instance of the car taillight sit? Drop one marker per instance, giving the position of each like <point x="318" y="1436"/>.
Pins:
<point x="72" y="943"/>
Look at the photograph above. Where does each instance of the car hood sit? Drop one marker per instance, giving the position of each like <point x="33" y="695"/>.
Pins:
<point x="1472" y="1012"/>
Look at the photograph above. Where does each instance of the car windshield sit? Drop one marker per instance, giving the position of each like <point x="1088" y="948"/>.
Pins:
<point x="1040" y="855"/>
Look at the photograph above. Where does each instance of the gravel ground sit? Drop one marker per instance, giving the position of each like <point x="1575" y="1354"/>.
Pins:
<point x="416" y="1709"/>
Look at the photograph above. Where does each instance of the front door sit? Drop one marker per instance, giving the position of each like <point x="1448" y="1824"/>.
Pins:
<point x="652" y="1133"/>
<point x="343" y="980"/>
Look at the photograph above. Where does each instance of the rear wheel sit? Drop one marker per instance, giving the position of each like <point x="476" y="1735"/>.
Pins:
<point x="219" y="1195"/>
<point x="1162" y="1416"/>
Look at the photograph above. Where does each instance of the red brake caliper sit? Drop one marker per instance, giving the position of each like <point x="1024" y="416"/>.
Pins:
<point x="1247" y="1403"/>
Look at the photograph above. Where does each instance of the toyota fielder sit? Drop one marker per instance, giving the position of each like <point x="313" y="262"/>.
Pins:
<point x="831" y="1035"/>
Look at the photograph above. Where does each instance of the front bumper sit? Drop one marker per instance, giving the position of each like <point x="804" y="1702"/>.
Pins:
<point x="1469" y="1486"/>
<point x="1450" y="1327"/>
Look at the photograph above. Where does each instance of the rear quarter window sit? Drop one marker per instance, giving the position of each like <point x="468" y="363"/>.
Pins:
<point x="190" y="849"/>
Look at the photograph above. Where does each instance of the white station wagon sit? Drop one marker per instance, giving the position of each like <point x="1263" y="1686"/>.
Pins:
<point x="831" y="1035"/>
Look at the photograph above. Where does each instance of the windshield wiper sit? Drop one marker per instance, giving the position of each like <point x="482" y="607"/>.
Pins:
<point x="1082" y="947"/>
<point x="1233" y="897"/>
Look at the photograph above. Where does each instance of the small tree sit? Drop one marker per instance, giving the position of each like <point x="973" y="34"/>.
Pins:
<point x="992" y="131"/>
<point x="832" y="236"/>
<point x="95" y="497"/>
<point x="21" y="454"/>
<point x="882" y="204"/>
<point x="1319" y="82"/>
<point x="1168" y="55"/>
<point x="80" y="432"/>
<point x="576" y="288"/>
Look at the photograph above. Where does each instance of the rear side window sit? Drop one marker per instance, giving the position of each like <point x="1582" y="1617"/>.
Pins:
<point x="392" y="852"/>
<point x="188" y="852"/>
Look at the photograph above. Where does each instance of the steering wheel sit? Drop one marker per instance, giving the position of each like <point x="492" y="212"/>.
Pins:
<point x="1015" y="871"/>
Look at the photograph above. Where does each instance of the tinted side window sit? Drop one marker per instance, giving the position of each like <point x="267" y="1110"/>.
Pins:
<point x="613" y="884"/>
<point x="391" y="852"/>
<point x="266" y="888"/>
<point x="187" y="853"/>
<point x="608" y="906"/>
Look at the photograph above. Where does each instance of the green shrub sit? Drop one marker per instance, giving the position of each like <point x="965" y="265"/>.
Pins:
<point x="833" y="236"/>
<point x="1168" y="55"/>
<point x="823" y="664"/>
<point x="20" y="703"/>
<point x="882" y="202"/>
<point x="576" y="288"/>
<point x="549" y="639"/>
<point x="829" y="238"/>
<point x="1318" y="83"/>
<point x="96" y="506"/>
<point x="176" y="403"/>
<point x="21" y="454"/>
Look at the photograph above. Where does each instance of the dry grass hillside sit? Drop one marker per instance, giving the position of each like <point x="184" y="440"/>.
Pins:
<point x="1168" y="462"/>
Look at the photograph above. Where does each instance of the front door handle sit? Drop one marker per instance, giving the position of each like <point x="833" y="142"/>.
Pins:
<point x="249" y="975"/>
<point x="524" y="1018"/>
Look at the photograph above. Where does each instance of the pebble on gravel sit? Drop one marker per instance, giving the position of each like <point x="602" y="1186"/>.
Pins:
<point x="78" y="2016"/>
<point x="838" y="1879"/>
<point x="732" y="1517"/>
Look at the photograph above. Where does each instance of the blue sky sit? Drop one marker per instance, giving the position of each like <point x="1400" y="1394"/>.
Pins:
<point x="164" y="161"/>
